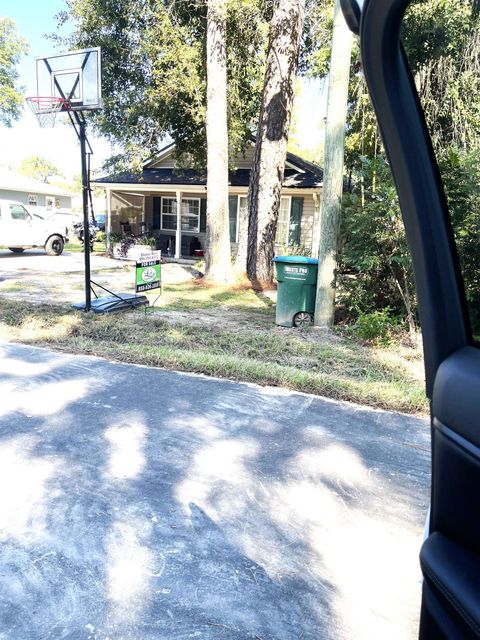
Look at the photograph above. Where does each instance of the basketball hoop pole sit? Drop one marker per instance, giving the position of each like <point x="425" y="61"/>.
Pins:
<point x="71" y="82"/>
<point x="86" y="226"/>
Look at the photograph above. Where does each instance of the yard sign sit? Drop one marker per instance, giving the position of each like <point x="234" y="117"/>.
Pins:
<point x="147" y="275"/>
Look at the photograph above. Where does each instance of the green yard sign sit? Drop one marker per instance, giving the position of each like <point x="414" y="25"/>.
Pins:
<point x="148" y="275"/>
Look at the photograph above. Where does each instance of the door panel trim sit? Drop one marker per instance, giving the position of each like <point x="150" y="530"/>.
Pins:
<point x="456" y="394"/>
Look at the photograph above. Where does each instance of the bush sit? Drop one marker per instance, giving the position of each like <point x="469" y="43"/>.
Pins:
<point x="374" y="327"/>
<point x="374" y="266"/>
<point x="100" y="237"/>
<point x="293" y="250"/>
<point x="116" y="236"/>
<point x="148" y="241"/>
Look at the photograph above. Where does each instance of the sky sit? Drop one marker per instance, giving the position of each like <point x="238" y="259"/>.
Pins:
<point x="35" y="20"/>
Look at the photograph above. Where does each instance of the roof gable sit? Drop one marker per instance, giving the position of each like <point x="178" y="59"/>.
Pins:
<point x="166" y="160"/>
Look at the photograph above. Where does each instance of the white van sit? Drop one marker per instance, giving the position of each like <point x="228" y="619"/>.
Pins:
<point x="20" y="230"/>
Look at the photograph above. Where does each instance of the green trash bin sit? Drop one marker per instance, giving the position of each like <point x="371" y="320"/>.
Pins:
<point x="296" y="292"/>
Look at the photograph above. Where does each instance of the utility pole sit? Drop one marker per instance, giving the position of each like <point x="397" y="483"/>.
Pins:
<point x="329" y="219"/>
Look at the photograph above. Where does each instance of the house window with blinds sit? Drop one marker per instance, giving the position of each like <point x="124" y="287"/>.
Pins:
<point x="283" y="221"/>
<point x="191" y="214"/>
<point x="169" y="213"/>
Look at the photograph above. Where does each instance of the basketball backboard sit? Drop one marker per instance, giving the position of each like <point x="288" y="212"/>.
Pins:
<point x="75" y="76"/>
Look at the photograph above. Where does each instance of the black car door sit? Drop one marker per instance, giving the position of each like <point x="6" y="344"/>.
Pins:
<point x="450" y="557"/>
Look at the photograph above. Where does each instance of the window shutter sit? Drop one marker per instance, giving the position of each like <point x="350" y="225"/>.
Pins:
<point x="294" y="229"/>
<point x="203" y="215"/>
<point x="232" y="217"/>
<point x="156" y="212"/>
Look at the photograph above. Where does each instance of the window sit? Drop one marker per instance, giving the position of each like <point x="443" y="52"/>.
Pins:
<point x="18" y="212"/>
<point x="190" y="214"/>
<point x="190" y="220"/>
<point x="169" y="213"/>
<point x="283" y="221"/>
<point x="32" y="200"/>
<point x="234" y="214"/>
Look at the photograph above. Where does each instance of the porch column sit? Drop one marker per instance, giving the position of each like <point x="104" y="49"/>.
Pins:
<point x="178" y="235"/>
<point x="108" y="227"/>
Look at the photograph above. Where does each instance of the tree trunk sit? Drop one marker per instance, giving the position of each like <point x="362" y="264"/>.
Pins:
<point x="217" y="259"/>
<point x="333" y="169"/>
<point x="271" y="146"/>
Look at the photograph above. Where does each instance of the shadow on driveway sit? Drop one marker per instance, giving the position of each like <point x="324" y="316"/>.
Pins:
<point x="140" y="504"/>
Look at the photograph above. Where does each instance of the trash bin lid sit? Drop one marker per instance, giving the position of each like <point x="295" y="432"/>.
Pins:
<point x="296" y="259"/>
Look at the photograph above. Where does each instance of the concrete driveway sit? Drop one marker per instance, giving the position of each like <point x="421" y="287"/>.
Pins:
<point x="142" y="504"/>
<point x="33" y="275"/>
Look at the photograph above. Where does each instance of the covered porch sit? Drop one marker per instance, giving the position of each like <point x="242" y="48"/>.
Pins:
<point x="176" y="218"/>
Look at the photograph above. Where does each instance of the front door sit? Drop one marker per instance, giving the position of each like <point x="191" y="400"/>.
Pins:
<point x="450" y="557"/>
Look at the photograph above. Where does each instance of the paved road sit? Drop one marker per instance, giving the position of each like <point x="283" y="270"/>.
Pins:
<point x="143" y="504"/>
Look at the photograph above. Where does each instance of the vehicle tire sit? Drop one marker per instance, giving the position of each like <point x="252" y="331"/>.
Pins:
<point x="302" y="319"/>
<point x="54" y="246"/>
<point x="16" y="249"/>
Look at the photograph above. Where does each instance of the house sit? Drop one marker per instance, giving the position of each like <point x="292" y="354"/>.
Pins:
<point x="39" y="197"/>
<point x="170" y="203"/>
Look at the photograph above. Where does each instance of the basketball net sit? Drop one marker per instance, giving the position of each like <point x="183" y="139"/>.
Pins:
<point x="46" y="108"/>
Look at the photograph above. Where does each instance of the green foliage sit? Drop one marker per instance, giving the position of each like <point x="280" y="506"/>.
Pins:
<point x="442" y="40"/>
<point x="39" y="168"/>
<point x="154" y="75"/>
<point x="12" y="48"/>
<point x="116" y="236"/>
<point x="316" y="47"/>
<point x="293" y="250"/>
<point x="374" y="327"/>
<point x="148" y="241"/>
<point x="461" y="175"/>
<point x="375" y="270"/>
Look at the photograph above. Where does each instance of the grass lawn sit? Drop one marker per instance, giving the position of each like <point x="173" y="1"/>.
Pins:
<point x="76" y="247"/>
<point x="228" y="333"/>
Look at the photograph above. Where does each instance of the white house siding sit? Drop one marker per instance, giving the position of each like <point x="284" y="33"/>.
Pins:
<point x="61" y="203"/>
<point x="310" y="211"/>
<point x="165" y="163"/>
<point x="245" y="160"/>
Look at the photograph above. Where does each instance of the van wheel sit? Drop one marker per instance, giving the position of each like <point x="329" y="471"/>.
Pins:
<point x="16" y="249"/>
<point x="54" y="246"/>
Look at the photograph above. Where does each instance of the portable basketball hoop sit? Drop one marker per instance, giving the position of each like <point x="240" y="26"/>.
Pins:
<point x="72" y="82"/>
<point x="46" y="108"/>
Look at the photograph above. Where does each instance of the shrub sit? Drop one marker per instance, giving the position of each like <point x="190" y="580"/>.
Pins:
<point x="374" y="268"/>
<point x="374" y="327"/>
<point x="293" y="250"/>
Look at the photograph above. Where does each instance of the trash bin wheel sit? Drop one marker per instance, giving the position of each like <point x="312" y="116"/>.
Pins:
<point x="302" y="319"/>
